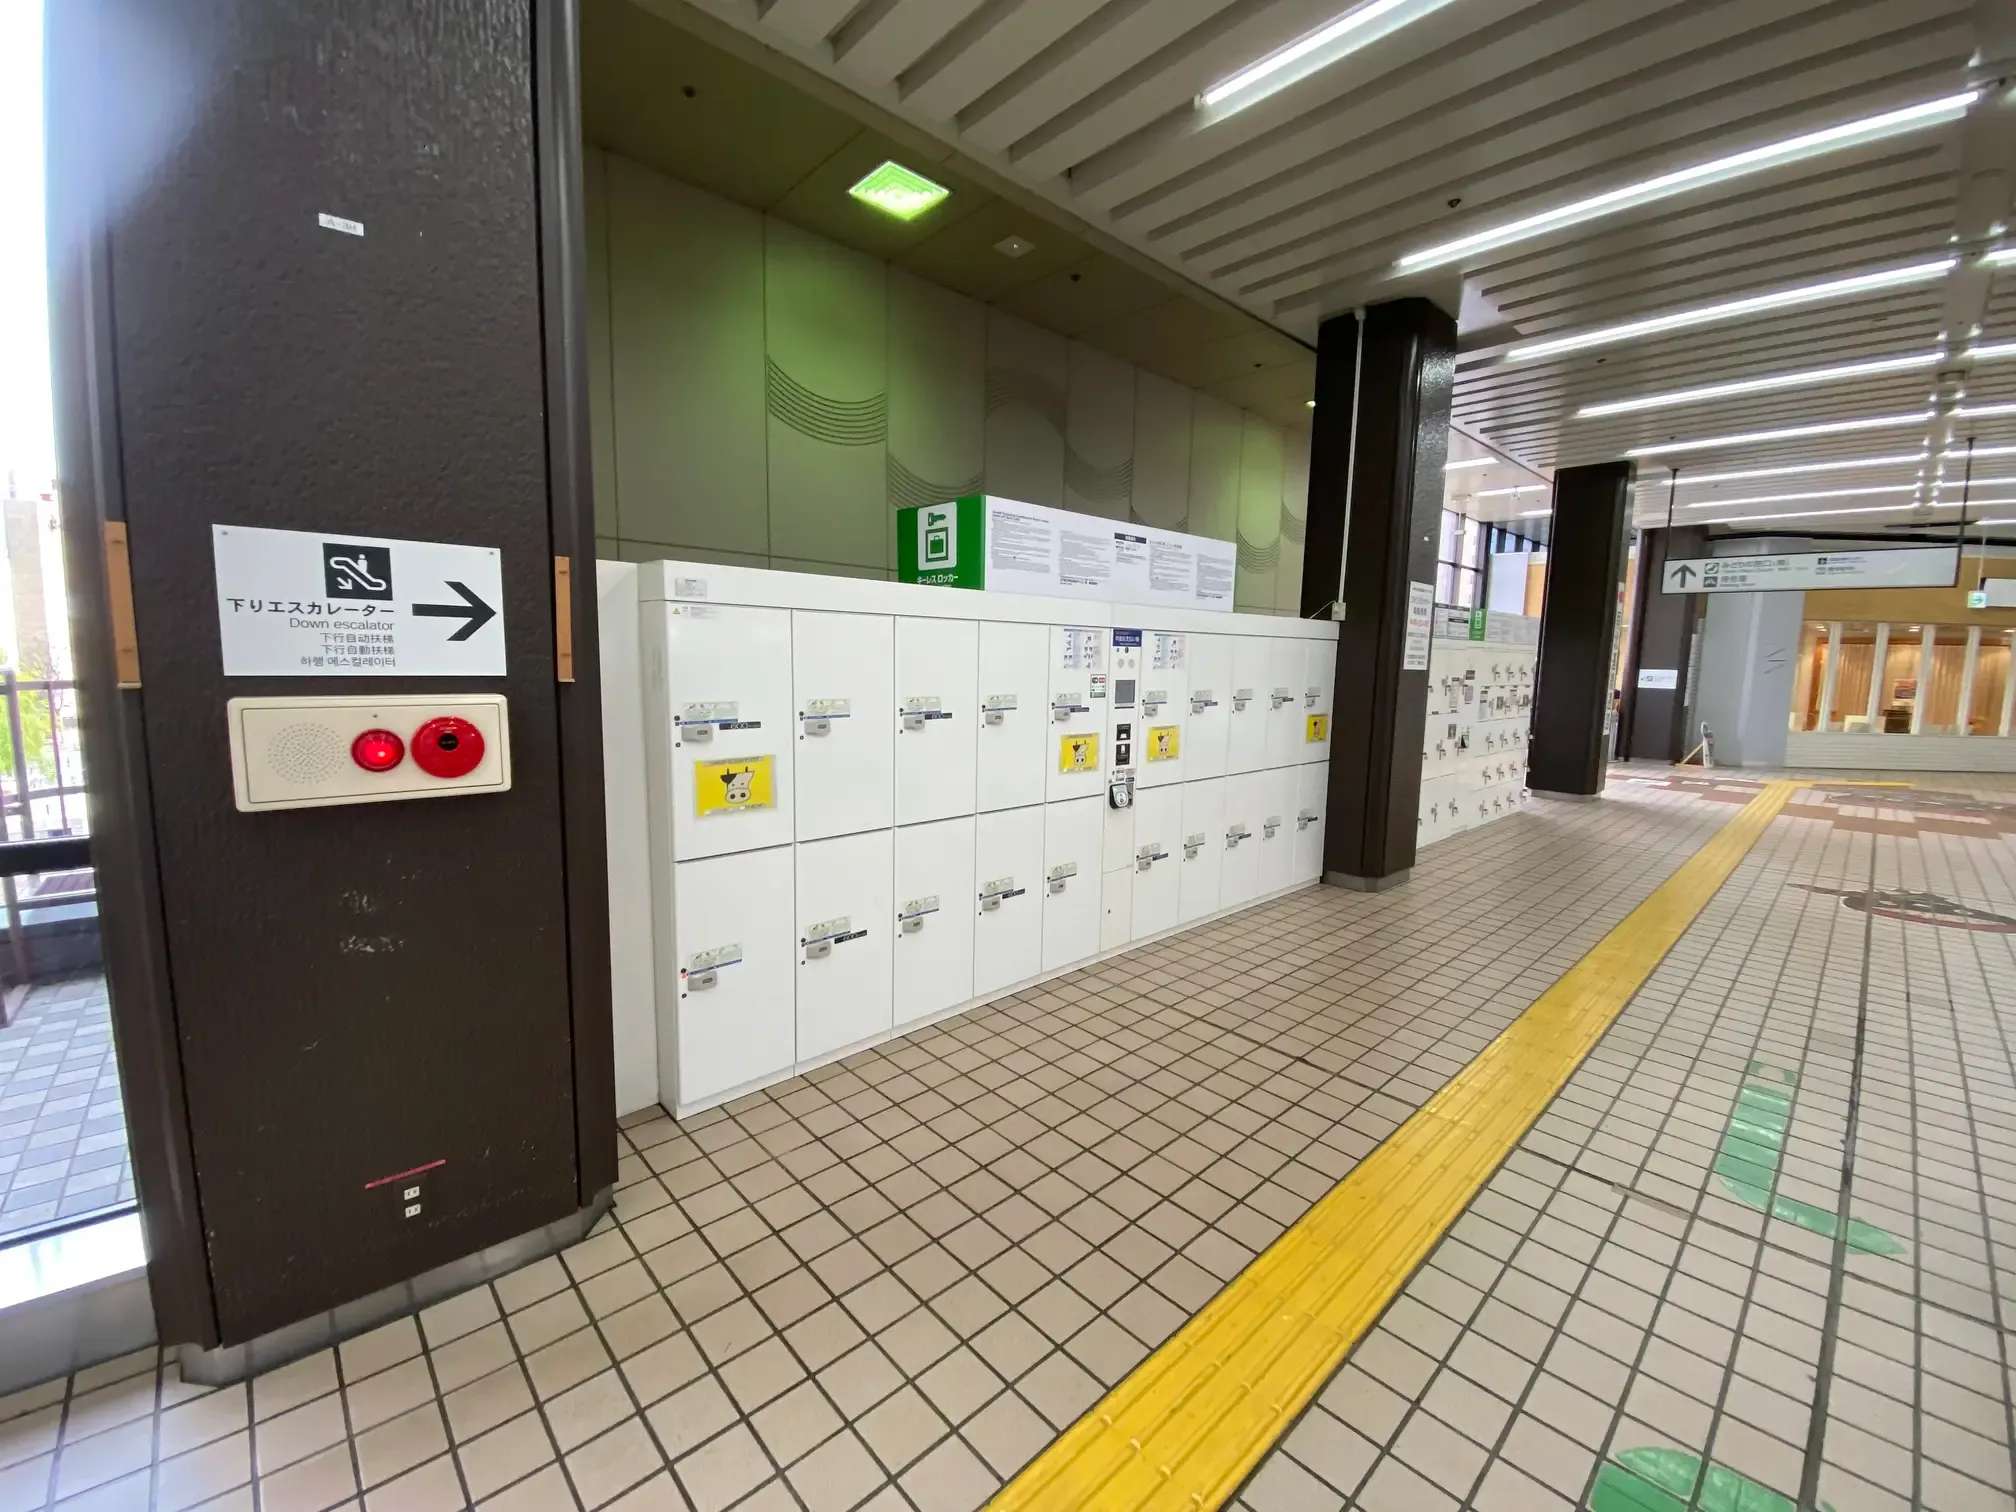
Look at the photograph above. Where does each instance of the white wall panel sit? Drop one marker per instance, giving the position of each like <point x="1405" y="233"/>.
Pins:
<point x="1099" y="433"/>
<point x="1162" y="451"/>
<point x="937" y="394"/>
<point x="1294" y="521"/>
<point x="1217" y="436"/>
<point x="686" y="352"/>
<point x="826" y="377"/>
<point x="1027" y="380"/>
<point x="1260" y="470"/>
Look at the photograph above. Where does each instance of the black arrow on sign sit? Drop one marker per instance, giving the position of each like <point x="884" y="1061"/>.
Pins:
<point x="1682" y="573"/>
<point x="472" y="609"/>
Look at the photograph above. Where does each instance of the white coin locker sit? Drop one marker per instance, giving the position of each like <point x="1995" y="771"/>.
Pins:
<point x="1277" y="829"/>
<point x="1320" y="683"/>
<point x="1075" y="762"/>
<point x="1209" y="708"/>
<point x="1246" y="722"/>
<point x="1015" y="724"/>
<point x="937" y="662"/>
<point x="934" y="922"/>
<point x="1202" y="853"/>
<point x="1163" y="708"/>
<point x="1312" y="794"/>
<point x="1157" y="861"/>
<point x="844" y="696"/>
<point x="1285" y="691"/>
<point x="1006" y="898"/>
<point x="845" y="916"/>
<point x="728" y="688"/>
<point x="1239" y="879"/>
<point x="733" y="940"/>
<point x="1072" y="843"/>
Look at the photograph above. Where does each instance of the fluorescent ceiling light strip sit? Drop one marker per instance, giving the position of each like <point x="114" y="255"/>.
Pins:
<point x="1755" y="159"/>
<point x="1469" y="462"/>
<point x="1983" y="412"/>
<point x="1763" y="385"/>
<point x="1960" y="453"/>
<point x="1961" y="483"/>
<point x="1338" y="31"/>
<point x="1788" y="433"/>
<point x="1825" y="493"/>
<point x="2000" y="257"/>
<point x="1814" y="514"/>
<point x="1531" y="514"/>
<point x="1792" y="469"/>
<point x="1506" y="493"/>
<point x="1990" y="351"/>
<point x="1734" y="309"/>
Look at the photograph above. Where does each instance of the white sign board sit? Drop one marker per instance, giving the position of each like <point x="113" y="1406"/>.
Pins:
<point x="1058" y="554"/>
<point x="1998" y="593"/>
<point x="298" y="603"/>
<point x="1420" y="625"/>
<point x="1903" y="567"/>
<point x="1659" y="677"/>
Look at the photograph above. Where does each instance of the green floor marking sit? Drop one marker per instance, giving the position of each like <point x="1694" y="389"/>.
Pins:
<point x="1751" y="1148"/>
<point x="1662" y="1480"/>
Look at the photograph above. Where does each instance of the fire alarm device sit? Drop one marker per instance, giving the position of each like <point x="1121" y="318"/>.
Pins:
<point x="314" y="752"/>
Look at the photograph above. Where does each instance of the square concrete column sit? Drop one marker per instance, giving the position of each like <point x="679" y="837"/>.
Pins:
<point x="1578" y="631"/>
<point x="1381" y="436"/>
<point x="1660" y="649"/>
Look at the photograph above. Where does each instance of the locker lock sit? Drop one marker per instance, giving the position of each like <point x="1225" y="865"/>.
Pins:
<point x="1268" y="826"/>
<point x="1192" y="844"/>
<point x="991" y="893"/>
<point x="1060" y="874"/>
<point x="1146" y="856"/>
<point x="1120" y="791"/>
<point x="1312" y="698"/>
<point x="995" y="716"/>
<point x="1240" y="698"/>
<point x="1199" y="702"/>
<point x="818" y="950"/>
<point x="1281" y="698"/>
<point x="1234" y="835"/>
<point x="1306" y="818"/>
<point x="700" y="981"/>
<point x="818" y="726"/>
<point x="1151" y="703"/>
<point x="913" y="925"/>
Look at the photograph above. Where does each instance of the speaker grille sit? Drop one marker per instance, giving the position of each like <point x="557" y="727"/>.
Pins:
<point x="306" y="753"/>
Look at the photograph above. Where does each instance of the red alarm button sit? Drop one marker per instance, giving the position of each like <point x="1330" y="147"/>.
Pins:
<point x="377" y="750"/>
<point x="448" y="747"/>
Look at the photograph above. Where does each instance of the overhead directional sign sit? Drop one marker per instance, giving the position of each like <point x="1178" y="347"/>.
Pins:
<point x="304" y="603"/>
<point x="1899" y="567"/>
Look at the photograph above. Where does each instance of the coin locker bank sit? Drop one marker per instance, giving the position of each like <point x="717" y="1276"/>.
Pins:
<point x="875" y="804"/>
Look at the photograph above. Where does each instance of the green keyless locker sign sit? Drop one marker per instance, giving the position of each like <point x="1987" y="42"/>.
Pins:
<point x="945" y="544"/>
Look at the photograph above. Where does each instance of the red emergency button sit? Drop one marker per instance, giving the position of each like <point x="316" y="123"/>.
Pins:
<point x="377" y="750"/>
<point x="448" y="747"/>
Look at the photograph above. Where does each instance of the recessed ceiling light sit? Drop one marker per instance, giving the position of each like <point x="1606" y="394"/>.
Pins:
<point x="1794" y="498"/>
<point x="1336" y="39"/>
<point x="1696" y="480"/>
<point x="1733" y="309"/>
<point x="1753" y="160"/>
<point x="898" y="191"/>
<point x="1788" y="433"/>
<point x="1310" y="403"/>
<point x="1014" y="246"/>
<point x="1763" y="385"/>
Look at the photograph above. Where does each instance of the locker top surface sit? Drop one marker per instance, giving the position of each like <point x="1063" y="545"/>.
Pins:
<point x="759" y="587"/>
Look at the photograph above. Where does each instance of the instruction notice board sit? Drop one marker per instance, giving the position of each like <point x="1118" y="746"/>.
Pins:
<point x="1005" y="546"/>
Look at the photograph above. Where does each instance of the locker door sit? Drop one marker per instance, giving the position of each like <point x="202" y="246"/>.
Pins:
<point x="1210" y="707"/>
<point x="1075" y="766"/>
<point x="1007" y="887"/>
<point x="1158" y="860"/>
<point x="1072" y="840"/>
<point x="1277" y="828"/>
<point x="732" y="922"/>
<point x="1239" y="878"/>
<point x="1014" y="735"/>
<point x="845" y="912"/>
<point x="843" y="688"/>
<point x="936" y="718"/>
<point x="1287" y="683"/>
<point x="1161" y="755"/>
<point x="934" y="927"/>
<point x="1203" y="848"/>
<point x="1246" y="723"/>
<point x="1312" y="784"/>
<point x="728" y="685"/>
<point x="1320" y="681"/>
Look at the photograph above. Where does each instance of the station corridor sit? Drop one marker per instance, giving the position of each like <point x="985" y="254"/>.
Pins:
<point x="897" y="1281"/>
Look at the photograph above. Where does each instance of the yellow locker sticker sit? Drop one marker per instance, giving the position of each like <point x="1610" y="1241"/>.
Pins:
<point x="1319" y="729"/>
<point x="728" y="787"/>
<point x="1164" y="742"/>
<point x="1078" y="753"/>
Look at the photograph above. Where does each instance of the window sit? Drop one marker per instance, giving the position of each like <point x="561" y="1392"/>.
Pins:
<point x="1459" y="574"/>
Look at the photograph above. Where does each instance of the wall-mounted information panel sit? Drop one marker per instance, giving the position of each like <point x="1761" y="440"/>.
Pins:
<point x="873" y="804"/>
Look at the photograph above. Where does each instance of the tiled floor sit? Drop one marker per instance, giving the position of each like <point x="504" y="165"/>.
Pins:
<point x="62" y="1123"/>
<point x="888" y="1284"/>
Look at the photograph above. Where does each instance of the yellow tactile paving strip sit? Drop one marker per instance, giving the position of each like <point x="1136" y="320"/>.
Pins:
<point x="1191" y="1422"/>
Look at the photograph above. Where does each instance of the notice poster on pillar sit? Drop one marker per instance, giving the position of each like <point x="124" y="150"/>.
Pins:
<point x="1005" y="546"/>
<point x="1420" y="626"/>
<point x="304" y="603"/>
